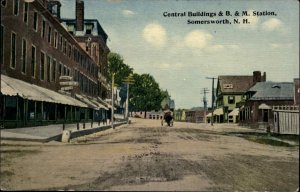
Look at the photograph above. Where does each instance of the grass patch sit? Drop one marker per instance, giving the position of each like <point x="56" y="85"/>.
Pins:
<point x="268" y="141"/>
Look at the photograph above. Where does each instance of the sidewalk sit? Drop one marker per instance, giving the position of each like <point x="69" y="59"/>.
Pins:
<point x="52" y="132"/>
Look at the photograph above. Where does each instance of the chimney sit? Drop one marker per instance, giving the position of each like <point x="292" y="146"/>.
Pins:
<point x="79" y="15"/>
<point x="256" y="77"/>
<point x="264" y="78"/>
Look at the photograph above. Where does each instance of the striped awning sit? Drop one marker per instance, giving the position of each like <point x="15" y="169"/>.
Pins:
<point x="15" y="87"/>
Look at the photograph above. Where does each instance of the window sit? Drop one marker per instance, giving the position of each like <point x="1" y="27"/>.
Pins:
<point x="43" y="28"/>
<point x="24" y="54"/>
<point x="54" y="70"/>
<point x="25" y="14"/>
<point x="42" y="66"/>
<point x="231" y="100"/>
<point x="3" y="3"/>
<point x="61" y="42"/>
<point x="65" y="47"/>
<point x="13" y="51"/>
<point x="71" y="29"/>
<point x="16" y="7"/>
<point x="55" y="39"/>
<point x="89" y="28"/>
<point x="49" y="34"/>
<point x="35" y="21"/>
<point x="69" y="50"/>
<point x="65" y="70"/>
<point x="33" y="61"/>
<point x="48" y="68"/>
<point x="2" y="44"/>
<point x="60" y="69"/>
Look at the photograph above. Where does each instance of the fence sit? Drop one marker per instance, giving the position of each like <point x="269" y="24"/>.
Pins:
<point x="286" y="119"/>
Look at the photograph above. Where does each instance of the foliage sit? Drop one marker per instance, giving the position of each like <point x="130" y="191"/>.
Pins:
<point x="117" y="66"/>
<point x="145" y="94"/>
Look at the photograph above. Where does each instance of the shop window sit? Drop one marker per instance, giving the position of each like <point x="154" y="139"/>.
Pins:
<point x="10" y="108"/>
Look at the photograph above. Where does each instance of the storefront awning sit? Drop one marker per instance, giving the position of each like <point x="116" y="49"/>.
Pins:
<point x="95" y="101"/>
<point x="15" y="87"/>
<point x="208" y="115"/>
<point x="218" y="111"/>
<point x="103" y="103"/>
<point x="264" y="106"/>
<point x="234" y="112"/>
<point x="86" y="101"/>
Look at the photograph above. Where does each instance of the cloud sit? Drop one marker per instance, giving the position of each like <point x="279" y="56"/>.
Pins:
<point x="233" y="46"/>
<point x="127" y="13"/>
<point x="155" y="34"/>
<point x="252" y="21"/>
<point x="272" y="24"/>
<point x="197" y="39"/>
<point x="214" y="48"/>
<point x="114" y="1"/>
<point x="280" y="45"/>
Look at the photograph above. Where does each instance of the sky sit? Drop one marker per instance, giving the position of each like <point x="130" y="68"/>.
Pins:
<point x="180" y="55"/>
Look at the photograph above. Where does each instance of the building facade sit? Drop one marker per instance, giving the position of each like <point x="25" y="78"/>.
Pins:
<point x="195" y="115"/>
<point x="261" y="98"/>
<point x="230" y="93"/>
<point x="38" y="52"/>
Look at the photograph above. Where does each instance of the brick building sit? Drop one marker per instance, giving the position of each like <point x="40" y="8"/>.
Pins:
<point x="67" y="82"/>
<point x="261" y="98"/>
<point x="195" y="115"/>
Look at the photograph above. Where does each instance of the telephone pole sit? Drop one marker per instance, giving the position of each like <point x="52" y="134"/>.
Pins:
<point x="204" y="91"/>
<point x="128" y="80"/>
<point x="212" y="100"/>
<point x="112" y="100"/>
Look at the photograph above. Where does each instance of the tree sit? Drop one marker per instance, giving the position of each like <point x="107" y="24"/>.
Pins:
<point x="117" y="66"/>
<point x="145" y="94"/>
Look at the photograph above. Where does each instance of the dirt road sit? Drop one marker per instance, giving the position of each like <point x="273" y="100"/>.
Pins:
<point x="144" y="156"/>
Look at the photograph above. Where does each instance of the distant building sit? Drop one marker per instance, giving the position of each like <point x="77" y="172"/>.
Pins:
<point x="297" y="92"/>
<point x="195" y="115"/>
<point x="179" y="115"/>
<point x="260" y="100"/>
<point x="230" y="93"/>
<point x="168" y="103"/>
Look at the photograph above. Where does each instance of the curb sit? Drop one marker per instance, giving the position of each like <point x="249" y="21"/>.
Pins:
<point x="74" y="134"/>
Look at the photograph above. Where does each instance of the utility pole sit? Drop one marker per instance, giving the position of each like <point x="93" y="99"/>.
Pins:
<point x="204" y="91"/>
<point x="112" y="100"/>
<point x="212" y="100"/>
<point x="128" y="80"/>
